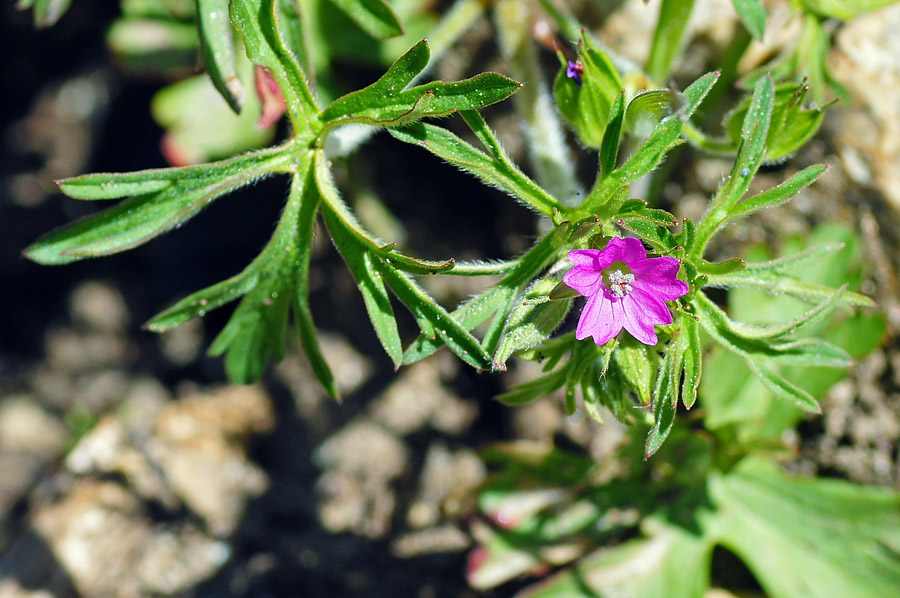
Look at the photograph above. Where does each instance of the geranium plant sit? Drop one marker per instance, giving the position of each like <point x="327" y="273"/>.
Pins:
<point x="651" y="281"/>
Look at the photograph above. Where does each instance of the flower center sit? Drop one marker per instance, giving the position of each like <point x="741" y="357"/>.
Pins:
<point x="618" y="278"/>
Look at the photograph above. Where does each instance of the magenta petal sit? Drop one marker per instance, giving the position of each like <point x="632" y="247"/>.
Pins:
<point x="598" y="319"/>
<point x="657" y="276"/>
<point x="584" y="257"/>
<point x="639" y="317"/>
<point x="625" y="250"/>
<point x="653" y="309"/>
<point x="584" y="280"/>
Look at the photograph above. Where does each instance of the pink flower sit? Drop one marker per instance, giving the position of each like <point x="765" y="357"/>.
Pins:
<point x="625" y="289"/>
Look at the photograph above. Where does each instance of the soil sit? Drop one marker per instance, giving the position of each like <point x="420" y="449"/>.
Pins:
<point x="128" y="467"/>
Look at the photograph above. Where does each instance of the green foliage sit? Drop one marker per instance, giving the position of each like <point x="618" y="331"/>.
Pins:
<point x="754" y="361"/>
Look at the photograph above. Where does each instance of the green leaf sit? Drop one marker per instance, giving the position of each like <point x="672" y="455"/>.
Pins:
<point x="587" y="107"/>
<point x="783" y="388"/>
<point x="750" y="155"/>
<point x="672" y="22"/>
<point x="665" y="398"/>
<point x="256" y="331"/>
<point x="306" y="328"/>
<point x="779" y="284"/>
<point x="791" y="127"/>
<point x="791" y="326"/>
<point x="375" y="16"/>
<point x="167" y="198"/>
<point x="771" y="520"/>
<point x="532" y="321"/>
<point x="692" y="354"/>
<point x="202" y="302"/>
<point x="637" y="364"/>
<point x="432" y="316"/>
<point x="470" y="314"/>
<point x="369" y="280"/>
<point x="758" y="353"/>
<point x="386" y="103"/>
<point x="778" y="195"/>
<point x="218" y="50"/>
<point x="609" y="147"/>
<point x="664" y="138"/>
<point x="400" y="74"/>
<point x="491" y="171"/>
<point x="640" y="211"/>
<point x="498" y="299"/>
<point x="658" y="237"/>
<point x="752" y="15"/>
<point x="260" y="29"/>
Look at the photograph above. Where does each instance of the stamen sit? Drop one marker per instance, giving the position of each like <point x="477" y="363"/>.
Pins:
<point x="619" y="282"/>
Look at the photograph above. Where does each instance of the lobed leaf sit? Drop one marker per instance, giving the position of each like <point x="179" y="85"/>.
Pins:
<point x="260" y="29"/>
<point x="362" y="264"/>
<point x="386" y="103"/>
<point x="168" y="198"/>
<point x="217" y="44"/>
<point x="779" y="195"/>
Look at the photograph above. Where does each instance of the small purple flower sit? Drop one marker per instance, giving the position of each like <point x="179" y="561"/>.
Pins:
<point x="625" y="289"/>
<point x="574" y="70"/>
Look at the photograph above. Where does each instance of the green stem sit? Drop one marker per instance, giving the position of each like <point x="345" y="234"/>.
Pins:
<point x="529" y="192"/>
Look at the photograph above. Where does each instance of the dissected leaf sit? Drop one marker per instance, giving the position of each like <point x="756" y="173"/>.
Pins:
<point x="260" y="29"/>
<point x="166" y="198"/>
<point x="387" y="103"/>
<point x="218" y="50"/>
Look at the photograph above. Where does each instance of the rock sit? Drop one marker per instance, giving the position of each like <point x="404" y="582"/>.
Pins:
<point x="183" y="344"/>
<point x="444" y="475"/>
<point x="435" y="540"/>
<point x="96" y="533"/>
<point x="69" y="350"/>
<point x="190" y="450"/>
<point x="865" y="62"/>
<point x="27" y="428"/>
<point x="361" y="461"/>
<point x="419" y="398"/>
<point x="173" y="561"/>
<point x="99" y="306"/>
